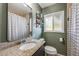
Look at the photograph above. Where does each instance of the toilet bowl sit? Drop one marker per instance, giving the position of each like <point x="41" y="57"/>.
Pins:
<point x="49" y="50"/>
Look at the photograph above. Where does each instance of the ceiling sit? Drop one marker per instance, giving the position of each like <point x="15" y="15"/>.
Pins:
<point x="43" y="5"/>
<point x="19" y="8"/>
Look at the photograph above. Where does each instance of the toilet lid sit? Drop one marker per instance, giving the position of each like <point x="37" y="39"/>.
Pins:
<point x="50" y="48"/>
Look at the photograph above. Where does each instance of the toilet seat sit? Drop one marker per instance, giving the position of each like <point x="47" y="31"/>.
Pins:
<point x="50" y="50"/>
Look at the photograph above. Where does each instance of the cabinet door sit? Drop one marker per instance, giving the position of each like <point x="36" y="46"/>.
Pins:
<point x="40" y="51"/>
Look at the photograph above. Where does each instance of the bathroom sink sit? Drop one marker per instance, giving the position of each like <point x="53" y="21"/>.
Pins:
<point x="27" y="46"/>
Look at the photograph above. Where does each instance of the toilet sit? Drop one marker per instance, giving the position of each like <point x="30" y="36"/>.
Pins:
<point x="50" y="51"/>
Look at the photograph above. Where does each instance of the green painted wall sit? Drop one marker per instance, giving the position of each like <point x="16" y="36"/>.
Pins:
<point x="0" y="19"/>
<point x="52" y="38"/>
<point x="3" y="22"/>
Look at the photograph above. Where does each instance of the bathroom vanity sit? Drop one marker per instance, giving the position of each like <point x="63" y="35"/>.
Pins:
<point x="38" y="50"/>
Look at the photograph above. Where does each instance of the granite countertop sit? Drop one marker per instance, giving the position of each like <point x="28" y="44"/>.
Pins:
<point x="5" y="45"/>
<point x="15" y="51"/>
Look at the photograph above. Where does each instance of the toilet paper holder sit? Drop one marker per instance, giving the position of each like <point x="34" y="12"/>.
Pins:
<point x="61" y="40"/>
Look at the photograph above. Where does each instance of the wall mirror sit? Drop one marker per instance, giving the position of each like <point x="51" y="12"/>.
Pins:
<point x="19" y="21"/>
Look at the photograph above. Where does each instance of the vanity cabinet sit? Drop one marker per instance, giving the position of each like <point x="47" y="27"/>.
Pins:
<point x="40" y="51"/>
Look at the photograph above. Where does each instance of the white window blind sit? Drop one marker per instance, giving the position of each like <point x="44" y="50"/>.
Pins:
<point x="54" y="22"/>
<point x="48" y="23"/>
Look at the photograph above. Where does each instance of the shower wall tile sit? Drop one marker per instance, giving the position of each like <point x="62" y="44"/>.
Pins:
<point x="73" y="32"/>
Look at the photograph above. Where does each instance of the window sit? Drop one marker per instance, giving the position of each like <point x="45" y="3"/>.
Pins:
<point x="54" y="22"/>
<point x="48" y="24"/>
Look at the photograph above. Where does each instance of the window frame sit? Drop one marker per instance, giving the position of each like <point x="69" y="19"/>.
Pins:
<point x="53" y="14"/>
